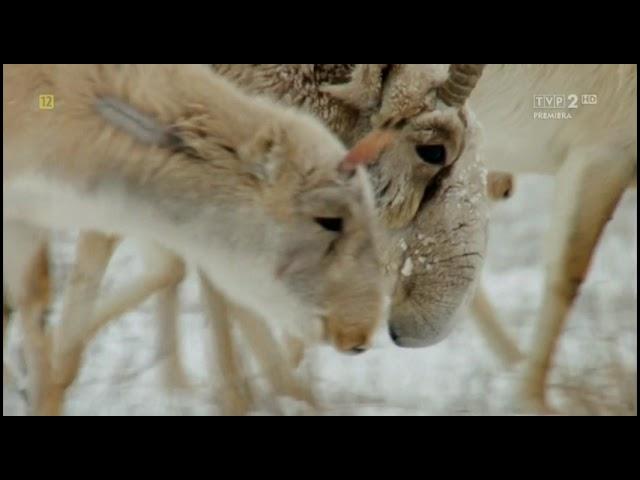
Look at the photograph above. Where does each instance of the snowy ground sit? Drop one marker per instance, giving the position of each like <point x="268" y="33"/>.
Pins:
<point x="595" y="371"/>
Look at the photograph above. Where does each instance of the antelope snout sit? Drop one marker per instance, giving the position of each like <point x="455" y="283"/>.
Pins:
<point x="350" y="340"/>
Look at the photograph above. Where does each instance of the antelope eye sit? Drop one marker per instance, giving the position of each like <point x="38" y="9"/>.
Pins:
<point x="332" y="224"/>
<point x="432" y="154"/>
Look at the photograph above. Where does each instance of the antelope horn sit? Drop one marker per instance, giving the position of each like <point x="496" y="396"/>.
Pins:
<point x="460" y="83"/>
<point x="363" y="90"/>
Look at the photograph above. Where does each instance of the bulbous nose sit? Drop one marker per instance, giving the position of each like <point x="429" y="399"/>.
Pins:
<point x="394" y="336"/>
<point x="430" y="337"/>
<point x="359" y="349"/>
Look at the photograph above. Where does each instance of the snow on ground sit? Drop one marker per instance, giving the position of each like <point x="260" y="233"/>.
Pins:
<point x="595" y="370"/>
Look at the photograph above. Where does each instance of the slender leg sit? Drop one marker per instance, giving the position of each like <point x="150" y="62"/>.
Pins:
<point x="237" y="398"/>
<point x="277" y="366"/>
<point x="26" y="273"/>
<point x="589" y="186"/>
<point x="93" y="253"/>
<point x="492" y="331"/>
<point x="168" y="313"/>
<point x="7" y="377"/>
<point x="164" y="272"/>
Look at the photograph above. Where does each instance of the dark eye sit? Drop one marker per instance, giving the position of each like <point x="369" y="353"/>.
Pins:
<point x="432" y="154"/>
<point x="333" y="224"/>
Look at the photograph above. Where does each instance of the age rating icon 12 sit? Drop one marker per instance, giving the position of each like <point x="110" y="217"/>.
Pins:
<point x="46" y="102"/>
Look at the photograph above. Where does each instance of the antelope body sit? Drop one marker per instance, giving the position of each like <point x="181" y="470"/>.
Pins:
<point x="177" y="156"/>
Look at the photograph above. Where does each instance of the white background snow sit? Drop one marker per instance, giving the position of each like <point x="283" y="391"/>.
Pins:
<point x="595" y="370"/>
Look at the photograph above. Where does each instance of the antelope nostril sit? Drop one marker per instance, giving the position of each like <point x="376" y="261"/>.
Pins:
<point x="359" y="349"/>
<point x="394" y="336"/>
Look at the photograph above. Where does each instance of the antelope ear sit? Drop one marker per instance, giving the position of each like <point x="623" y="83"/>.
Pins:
<point x="364" y="90"/>
<point x="500" y="185"/>
<point x="142" y="126"/>
<point x="265" y="153"/>
<point x="367" y="150"/>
